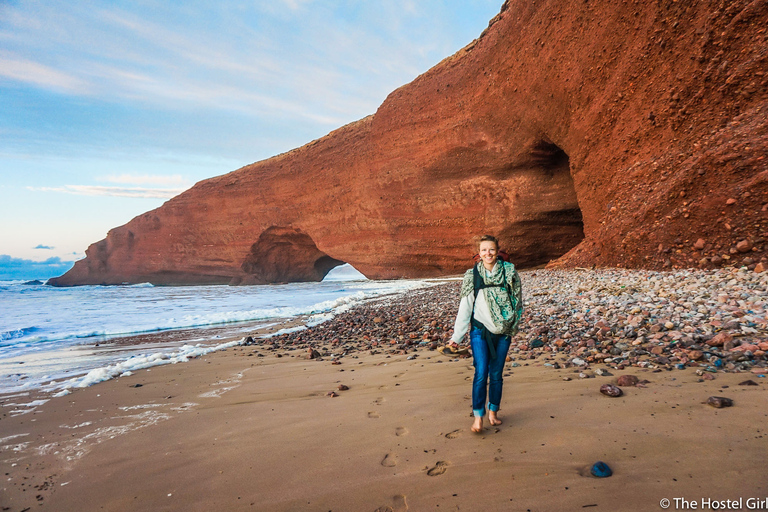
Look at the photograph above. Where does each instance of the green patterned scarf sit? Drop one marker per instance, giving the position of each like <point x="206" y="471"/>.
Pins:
<point x="506" y="309"/>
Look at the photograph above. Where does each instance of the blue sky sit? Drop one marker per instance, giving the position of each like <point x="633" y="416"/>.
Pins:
<point x="107" y="109"/>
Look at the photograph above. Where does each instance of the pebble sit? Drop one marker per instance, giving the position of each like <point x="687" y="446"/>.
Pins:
<point x="719" y="402"/>
<point x="627" y="380"/>
<point x="600" y="470"/>
<point x="611" y="390"/>
<point x="713" y="320"/>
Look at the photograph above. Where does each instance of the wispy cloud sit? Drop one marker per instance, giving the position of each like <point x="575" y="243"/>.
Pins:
<point x="41" y="246"/>
<point x="324" y="63"/>
<point x="146" y="179"/>
<point x="91" y="190"/>
<point x="295" y="5"/>
<point x="28" y="71"/>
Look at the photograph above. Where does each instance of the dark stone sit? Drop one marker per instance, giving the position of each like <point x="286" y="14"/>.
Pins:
<point x="627" y="380"/>
<point x="601" y="470"/>
<point x="611" y="390"/>
<point x="719" y="402"/>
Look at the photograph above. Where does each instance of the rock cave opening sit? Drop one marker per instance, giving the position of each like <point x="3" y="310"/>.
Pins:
<point x="345" y="272"/>
<point x="549" y="156"/>
<point x="552" y="224"/>
<point x="284" y="255"/>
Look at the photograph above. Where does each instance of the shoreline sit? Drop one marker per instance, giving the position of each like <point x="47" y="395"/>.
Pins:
<point x="253" y="428"/>
<point x="114" y="350"/>
<point x="38" y="364"/>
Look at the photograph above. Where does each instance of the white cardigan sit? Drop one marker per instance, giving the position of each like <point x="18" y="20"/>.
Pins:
<point x="482" y="313"/>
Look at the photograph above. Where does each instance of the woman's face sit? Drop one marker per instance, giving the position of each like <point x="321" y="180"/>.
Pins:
<point x="488" y="253"/>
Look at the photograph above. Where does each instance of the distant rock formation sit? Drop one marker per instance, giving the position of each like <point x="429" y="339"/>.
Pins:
<point x="610" y="133"/>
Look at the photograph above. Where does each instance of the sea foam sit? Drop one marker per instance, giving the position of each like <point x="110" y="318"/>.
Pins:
<point x="140" y="362"/>
<point x="49" y="333"/>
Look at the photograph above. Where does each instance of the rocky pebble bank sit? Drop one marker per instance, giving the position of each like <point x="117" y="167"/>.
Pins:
<point x="713" y="320"/>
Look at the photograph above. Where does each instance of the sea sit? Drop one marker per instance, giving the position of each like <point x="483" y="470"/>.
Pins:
<point x="56" y="339"/>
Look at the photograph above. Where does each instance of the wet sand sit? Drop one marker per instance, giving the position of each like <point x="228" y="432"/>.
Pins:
<point x="245" y="429"/>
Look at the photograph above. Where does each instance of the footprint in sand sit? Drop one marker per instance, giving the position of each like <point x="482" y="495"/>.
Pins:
<point x="389" y="460"/>
<point x="401" y="431"/>
<point x="439" y="468"/>
<point x="379" y="400"/>
<point x="372" y="414"/>
<point x="398" y="505"/>
<point x="453" y="435"/>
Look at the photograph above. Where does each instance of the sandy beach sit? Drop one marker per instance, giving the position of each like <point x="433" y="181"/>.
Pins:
<point x="256" y="427"/>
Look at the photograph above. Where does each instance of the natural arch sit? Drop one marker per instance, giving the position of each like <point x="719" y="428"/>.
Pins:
<point x="285" y="255"/>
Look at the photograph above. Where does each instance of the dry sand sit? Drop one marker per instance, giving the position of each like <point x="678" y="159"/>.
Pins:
<point x="237" y="432"/>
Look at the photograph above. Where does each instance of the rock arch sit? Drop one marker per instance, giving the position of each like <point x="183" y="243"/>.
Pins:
<point x="284" y="255"/>
<point x="601" y="133"/>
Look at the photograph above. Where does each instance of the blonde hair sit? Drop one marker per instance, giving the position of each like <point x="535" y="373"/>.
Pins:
<point x="489" y="238"/>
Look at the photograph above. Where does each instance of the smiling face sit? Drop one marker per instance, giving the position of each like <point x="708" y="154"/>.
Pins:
<point x="489" y="252"/>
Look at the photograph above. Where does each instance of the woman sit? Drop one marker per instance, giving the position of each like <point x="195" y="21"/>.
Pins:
<point x="491" y="304"/>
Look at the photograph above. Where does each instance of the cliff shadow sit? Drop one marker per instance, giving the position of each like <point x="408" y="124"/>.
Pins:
<point x="525" y="196"/>
<point x="548" y="220"/>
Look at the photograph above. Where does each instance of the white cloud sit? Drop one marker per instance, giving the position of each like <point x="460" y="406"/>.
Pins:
<point x="309" y="67"/>
<point x="146" y="179"/>
<point x="92" y="190"/>
<point x="295" y="5"/>
<point x="23" y="70"/>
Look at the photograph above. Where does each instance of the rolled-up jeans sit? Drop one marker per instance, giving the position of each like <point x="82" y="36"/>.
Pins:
<point x="488" y="372"/>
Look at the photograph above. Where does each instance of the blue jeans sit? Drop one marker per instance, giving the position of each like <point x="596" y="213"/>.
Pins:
<point x="487" y="370"/>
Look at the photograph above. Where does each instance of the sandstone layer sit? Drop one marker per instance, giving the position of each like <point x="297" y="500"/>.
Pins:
<point x="615" y="133"/>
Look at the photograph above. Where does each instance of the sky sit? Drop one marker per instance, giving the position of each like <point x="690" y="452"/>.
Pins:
<point x="108" y="109"/>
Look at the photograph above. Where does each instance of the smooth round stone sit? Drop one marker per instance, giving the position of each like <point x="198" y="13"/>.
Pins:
<point x="600" y="470"/>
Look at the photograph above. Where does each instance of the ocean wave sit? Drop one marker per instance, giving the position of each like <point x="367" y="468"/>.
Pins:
<point x="41" y="325"/>
<point x="15" y="334"/>
<point x="140" y="362"/>
<point x="83" y="315"/>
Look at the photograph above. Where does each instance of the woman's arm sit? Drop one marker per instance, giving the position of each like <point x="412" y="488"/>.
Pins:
<point x="463" y="318"/>
<point x="466" y="305"/>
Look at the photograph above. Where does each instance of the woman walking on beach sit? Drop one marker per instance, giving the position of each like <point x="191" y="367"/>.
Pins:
<point x="491" y="304"/>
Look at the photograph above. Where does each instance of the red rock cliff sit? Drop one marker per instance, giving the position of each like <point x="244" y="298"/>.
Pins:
<point x="612" y="133"/>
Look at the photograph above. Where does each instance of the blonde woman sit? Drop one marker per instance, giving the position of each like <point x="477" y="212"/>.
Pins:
<point x="490" y="308"/>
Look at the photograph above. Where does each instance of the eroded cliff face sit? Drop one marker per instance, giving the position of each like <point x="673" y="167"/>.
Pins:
<point x="612" y="133"/>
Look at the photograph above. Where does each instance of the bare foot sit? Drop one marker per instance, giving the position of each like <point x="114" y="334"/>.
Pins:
<point x="493" y="419"/>
<point x="477" y="426"/>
